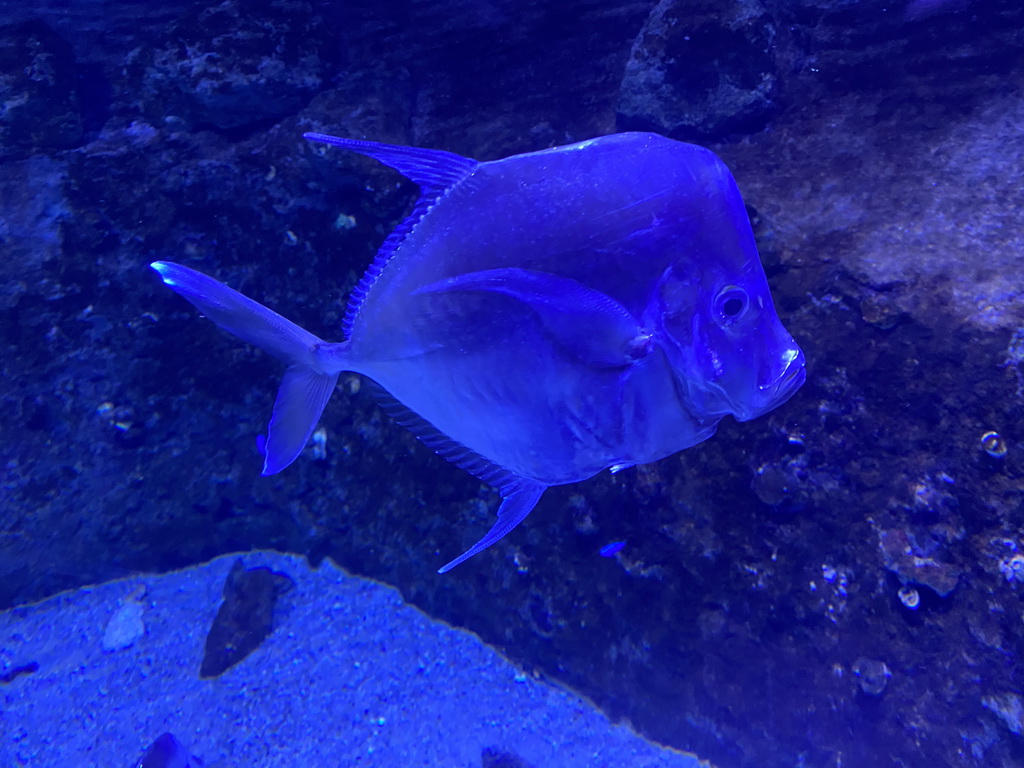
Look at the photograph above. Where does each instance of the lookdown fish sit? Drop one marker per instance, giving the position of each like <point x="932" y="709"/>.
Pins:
<point x="543" y="317"/>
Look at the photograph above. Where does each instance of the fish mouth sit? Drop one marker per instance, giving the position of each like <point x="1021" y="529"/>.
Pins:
<point x="785" y="384"/>
<point x="766" y="396"/>
<point x="711" y="400"/>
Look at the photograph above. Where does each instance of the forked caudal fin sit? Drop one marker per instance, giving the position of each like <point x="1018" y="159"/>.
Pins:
<point x="305" y="388"/>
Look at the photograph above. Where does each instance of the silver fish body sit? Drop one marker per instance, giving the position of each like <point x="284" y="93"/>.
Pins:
<point x="544" y="317"/>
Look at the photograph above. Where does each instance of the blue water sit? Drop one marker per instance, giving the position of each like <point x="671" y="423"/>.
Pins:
<point x="834" y="583"/>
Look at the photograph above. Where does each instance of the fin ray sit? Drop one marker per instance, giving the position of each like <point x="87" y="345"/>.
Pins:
<point x="515" y="506"/>
<point x="519" y="495"/>
<point x="482" y="468"/>
<point x="435" y="171"/>
<point x="305" y="387"/>
<point x="300" y="403"/>
<point x="236" y="313"/>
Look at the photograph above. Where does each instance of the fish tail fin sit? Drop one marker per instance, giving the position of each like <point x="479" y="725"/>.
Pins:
<point x="306" y="386"/>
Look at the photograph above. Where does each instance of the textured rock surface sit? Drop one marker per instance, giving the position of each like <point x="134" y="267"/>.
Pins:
<point x="231" y="65"/>
<point x="38" y="91"/>
<point x="764" y="595"/>
<point x="698" y="71"/>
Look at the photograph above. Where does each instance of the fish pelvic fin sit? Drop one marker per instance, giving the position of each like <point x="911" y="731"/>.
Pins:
<point x="518" y="502"/>
<point x="308" y="382"/>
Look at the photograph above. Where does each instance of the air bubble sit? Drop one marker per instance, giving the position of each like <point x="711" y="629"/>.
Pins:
<point x="993" y="444"/>
<point x="910" y="597"/>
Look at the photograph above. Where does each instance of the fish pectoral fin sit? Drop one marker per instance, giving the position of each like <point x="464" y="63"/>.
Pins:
<point x="515" y="506"/>
<point x="587" y="323"/>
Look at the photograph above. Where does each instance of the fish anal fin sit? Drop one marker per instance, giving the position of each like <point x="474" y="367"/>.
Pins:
<point x="517" y="503"/>
<point x="452" y="450"/>
<point x="519" y="495"/>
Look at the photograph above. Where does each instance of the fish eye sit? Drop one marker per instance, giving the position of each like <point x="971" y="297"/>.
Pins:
<point x="731" y="303"/>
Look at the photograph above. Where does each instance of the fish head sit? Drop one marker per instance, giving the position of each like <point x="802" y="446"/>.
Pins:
<point x="713" y="315"/>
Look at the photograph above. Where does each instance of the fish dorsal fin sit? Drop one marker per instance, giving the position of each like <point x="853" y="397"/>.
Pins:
<point x="435" y="171"/>
<point x="452" y="450"/>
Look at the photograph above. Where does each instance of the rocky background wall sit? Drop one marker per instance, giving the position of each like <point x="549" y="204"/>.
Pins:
<point x="839" y="583"/>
